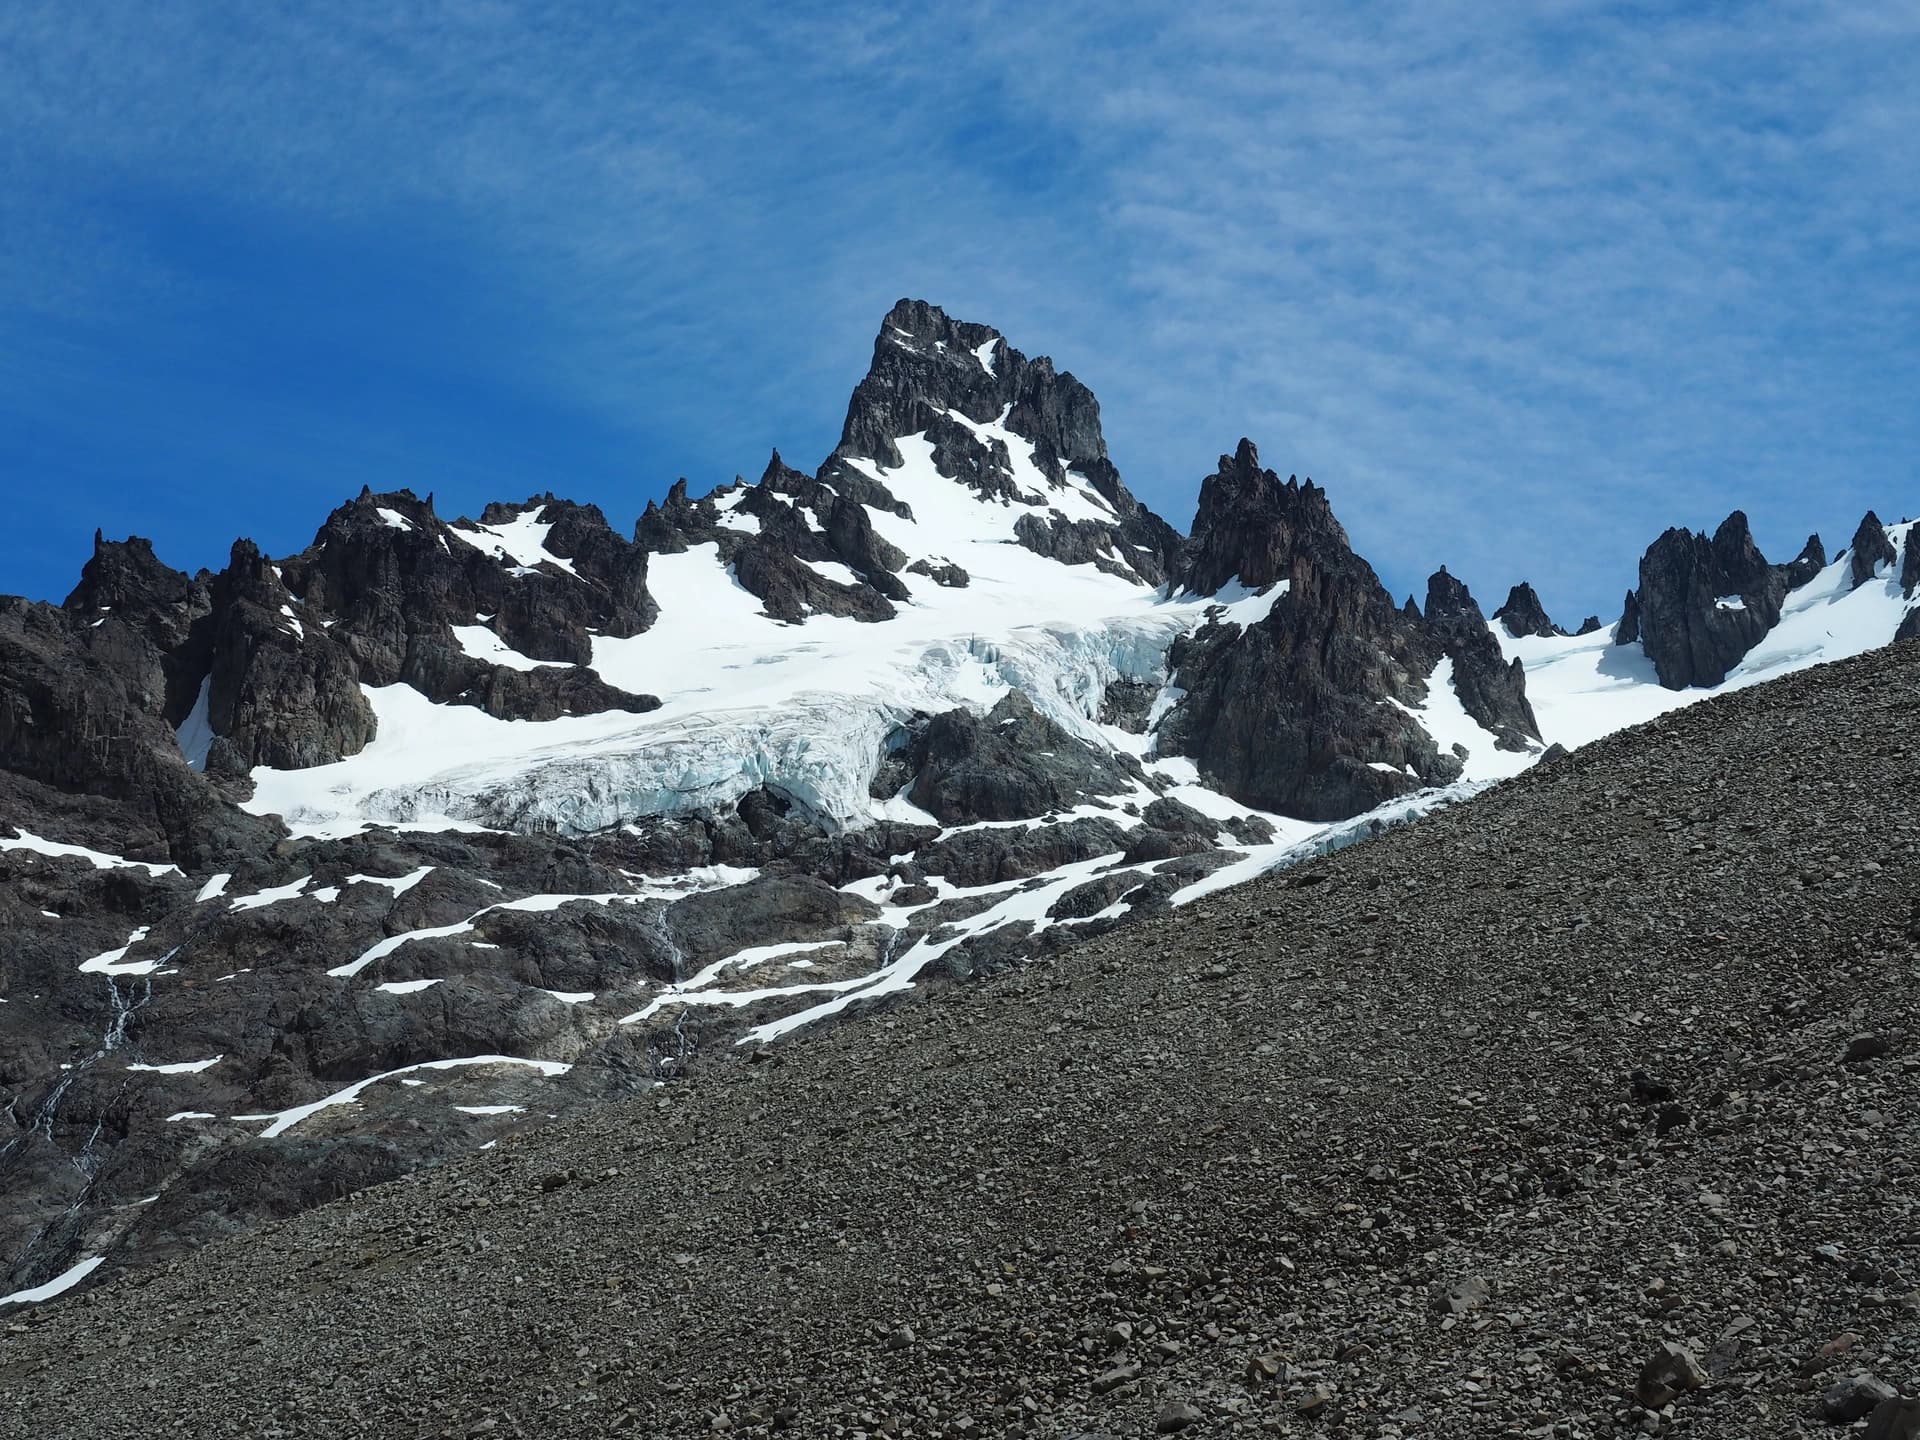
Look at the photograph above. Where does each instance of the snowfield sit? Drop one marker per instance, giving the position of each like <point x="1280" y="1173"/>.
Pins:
<point x="1584" y="687"/>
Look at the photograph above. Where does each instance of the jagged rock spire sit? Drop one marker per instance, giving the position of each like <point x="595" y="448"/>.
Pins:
<point x="1703" y="603"/>
<point x="944" y="378"/>
<point x="1491" y="689"/>
<point x="1870" y="548"/>
<point x="1250" y="525"/>
<point x="1523" y="614"/>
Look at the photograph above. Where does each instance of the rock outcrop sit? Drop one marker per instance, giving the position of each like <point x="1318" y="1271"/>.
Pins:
<point x="1627" y="630"/>
<point x="952" y="382"/>
<point x="1492" y="689"/>
<point x="1305" y="712"/>
<point x="389" y="581"/>
<point x="281" y="692"/>
<point x="1523" y="614"/>
<point x="1704" y="603"/>
<point x="1811" y="560"/>
<point x="1011" y="763"/>
<point x="1869" y="549"/>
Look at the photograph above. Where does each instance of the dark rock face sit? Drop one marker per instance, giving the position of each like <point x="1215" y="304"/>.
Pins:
<point x="1493" y="690"/>
<point x="1249" y="525"/>
<point x="1523" y="614"/>
<point x="85" y="742"/>
<point x="1128" y="704"/>
<point x="1869" y="549"/>
<point x="789" y="532"/>
<point x="927" y="368"/>
<point x="169" y="610"/>
<point x="1909" y="565"/>
<point x="1811" y="560"/>
<point x="1589" y="626"/>
<point x="280" y="694"/>
<point x="1012" y="763"/>
<point x="1704" y="603"/>
<point x="387" y="580"/>
<point x="993" y="856"/>
<point x="803" y="523"/>
<point x="1628" y="630"/>
<point x="1299" y="713"/>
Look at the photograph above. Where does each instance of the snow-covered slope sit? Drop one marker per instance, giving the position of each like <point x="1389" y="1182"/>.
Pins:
<point x="1584" y="687"/>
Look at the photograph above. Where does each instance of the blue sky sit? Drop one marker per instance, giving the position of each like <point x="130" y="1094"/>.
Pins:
<point x="1522" y="285"/>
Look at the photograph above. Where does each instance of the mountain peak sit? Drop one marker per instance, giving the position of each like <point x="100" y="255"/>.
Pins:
<point x="1523" y="614"/>
<point x="1249" y="522"/>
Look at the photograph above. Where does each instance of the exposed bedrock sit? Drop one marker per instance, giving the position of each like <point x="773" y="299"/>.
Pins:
<point x="1703" y="603"/>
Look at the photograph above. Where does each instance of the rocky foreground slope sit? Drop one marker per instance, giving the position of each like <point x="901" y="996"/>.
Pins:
<point x="1590" y="1107"/>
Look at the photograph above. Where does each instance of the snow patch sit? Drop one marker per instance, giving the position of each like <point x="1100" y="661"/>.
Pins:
<point x="114" y="962"/>
<point x="195" y="733"/>
<point x="26" y="840"/>
<point x="833" y="570"/>
<point x="522" y="540"/>
<point x="482" y="644"/>
<point x="281" y="1121"/>
<point x="180" y="1067"/>
<point x="59" y="1285"/>
<point x="271" y="896"/>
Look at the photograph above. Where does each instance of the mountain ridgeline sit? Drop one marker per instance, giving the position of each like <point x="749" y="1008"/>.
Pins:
<point x="269" y="658"/>
<point x="523" y="811"/>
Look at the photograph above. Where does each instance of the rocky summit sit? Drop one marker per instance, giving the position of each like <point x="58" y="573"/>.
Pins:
<point x="352" y="865"/>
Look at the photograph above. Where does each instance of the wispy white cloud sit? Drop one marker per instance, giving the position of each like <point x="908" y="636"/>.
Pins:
<point x="1521" y="284"/>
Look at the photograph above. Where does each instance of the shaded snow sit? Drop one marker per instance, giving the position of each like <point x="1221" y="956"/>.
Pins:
<point x="195" y="734"/>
